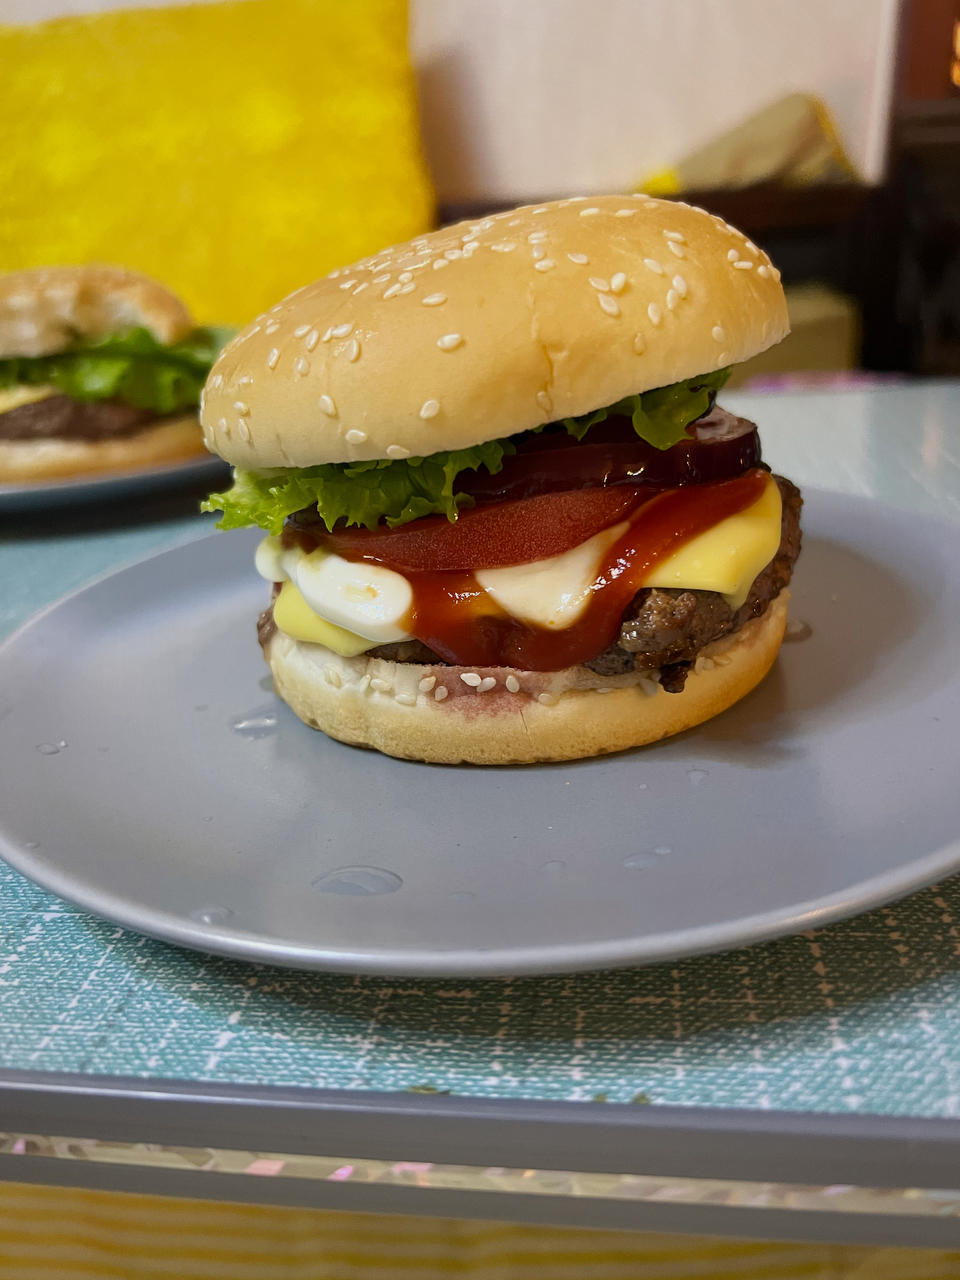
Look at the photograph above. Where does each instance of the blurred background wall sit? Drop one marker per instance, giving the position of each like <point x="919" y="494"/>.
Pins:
<point x="528" y="99"/>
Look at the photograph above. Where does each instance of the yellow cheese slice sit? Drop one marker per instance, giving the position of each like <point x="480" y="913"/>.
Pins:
<point x="729" y="556"/>
<point x="295" y="618"/>
<point x="14" y="397"/>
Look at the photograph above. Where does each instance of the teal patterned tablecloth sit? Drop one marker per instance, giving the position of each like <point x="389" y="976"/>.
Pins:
<point x="861" y="1017"/>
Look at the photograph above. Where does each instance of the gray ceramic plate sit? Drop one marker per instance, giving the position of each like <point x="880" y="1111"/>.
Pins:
<point x="150" y="776"/>
<point x="109" y="487"/>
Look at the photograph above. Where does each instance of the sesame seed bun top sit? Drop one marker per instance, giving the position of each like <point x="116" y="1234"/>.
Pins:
<point x="491" y="327"/>
<point x="48" y="309"/>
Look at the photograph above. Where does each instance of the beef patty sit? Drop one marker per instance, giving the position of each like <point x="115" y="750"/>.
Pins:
<point x="63" y="418"/>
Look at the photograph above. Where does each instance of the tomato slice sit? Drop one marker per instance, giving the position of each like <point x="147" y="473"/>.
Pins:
<point x="491" y="537"/>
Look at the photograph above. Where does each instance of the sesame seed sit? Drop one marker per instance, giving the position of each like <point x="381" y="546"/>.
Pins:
<point x="598" y="282"/>
<point x="580" y="259"/>
<point x="406" y="699"/>
<point x="680" y="285"/>
<point x="452" y="254"/>
<point x="300" y="330"/>
<point x="348" y="284"/>
<point x="618" y="282"/>
<point x="381" y="686"/>
<point x="653" y="265"/>
<point x="513" y="684"/>
<point x="654" y="312"/>
<point x="625" y="213"/>
<point x="648" y="204"/>
<point x="405" y="276"/>
<point x="440" y="692"/>
<point x="301" y="367"/>
<point x="434" y="299"/>
<point x="272" y="327"/>
<point x="514" y="222"/>
<point x="342" y="330"/>
<point x="546" y="265"/>
<point x="762" y="271"/>
<point x="381" y="279"/>
<point x="427" y="683"/>
<point x="675" y="235"/>
<point x="639" y="343"/>
<point x="751" y="248"/>
<point x="353" y="350"/>
<point x="355" y="436"/>
<point x="429" y="409"/>
<point x="272" y="358"/>
<point x="586" y="213"/>
<point x="216" y="380"/>
<point x="364" y="284"/>
<point x="313" y="337"/>
<point x="327" y="406"/>
<point x="486" y="684"/>
<point x="609" y="304"/>
<point x="535" y="237"/>
<point x="244" y="381"/>
<point x="544" y="401"/>
<point x="538" y="253"/>
<point x="241" y="408"/>
<point x="408" y="288"/>
<point x="397" y="451"/>
<point x="222" y="424"/>
<point x="722" y="359"/>
<point x="504" y="246"/>
<point x="332" y="676"/>
<point x="392" y="291"/>
<point x="718" y="334"/>
<point x="733" y="255"/>
<point x="672" y="299"/>
<point x="243" y="431"/>
<point x="743" y="265"/>
<point x="548" y="699"/>
<point x="450" y="341"/>
<point x="471" y="678"/>
<point x="676" y="250"/>
<point x="540" y="209"/>
<point x="327" y="336"/>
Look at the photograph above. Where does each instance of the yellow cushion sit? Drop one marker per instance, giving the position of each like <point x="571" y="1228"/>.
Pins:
<point x="233" y="150"/>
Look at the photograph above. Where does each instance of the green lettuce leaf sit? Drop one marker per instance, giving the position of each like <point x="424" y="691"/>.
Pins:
<point x="131" y="366"/>
<point x="358" y="493"/>
<point x="364" y="493"/>
<point x="660" y="416"/>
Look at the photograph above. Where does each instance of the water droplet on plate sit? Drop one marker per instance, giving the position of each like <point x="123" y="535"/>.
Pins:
<point x="555" y="864"/>
<point x="49" y="748"/>
<point x="211" y="915"/>
<point x="639" y="861"/>
<point x="797" y="631"/>
<point x="256" y="724"/>
<point x="358" y="882"/>
<point x="696" y="776"/>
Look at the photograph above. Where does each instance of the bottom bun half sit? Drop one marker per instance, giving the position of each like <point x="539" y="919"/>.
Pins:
<point x="171" y="440"/>
<point x="461" y="715"/>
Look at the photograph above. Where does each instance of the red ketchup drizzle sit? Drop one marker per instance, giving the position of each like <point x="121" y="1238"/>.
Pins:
<point x="452" y="614"/>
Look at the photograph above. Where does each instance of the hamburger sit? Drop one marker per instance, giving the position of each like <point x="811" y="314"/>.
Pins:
<point x="506" y="520"/>
<point x="101" y="370"/>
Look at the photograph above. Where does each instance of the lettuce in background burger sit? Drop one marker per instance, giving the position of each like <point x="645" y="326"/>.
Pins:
<point x="101" y="370"/>
<point x="506" y="520"/>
